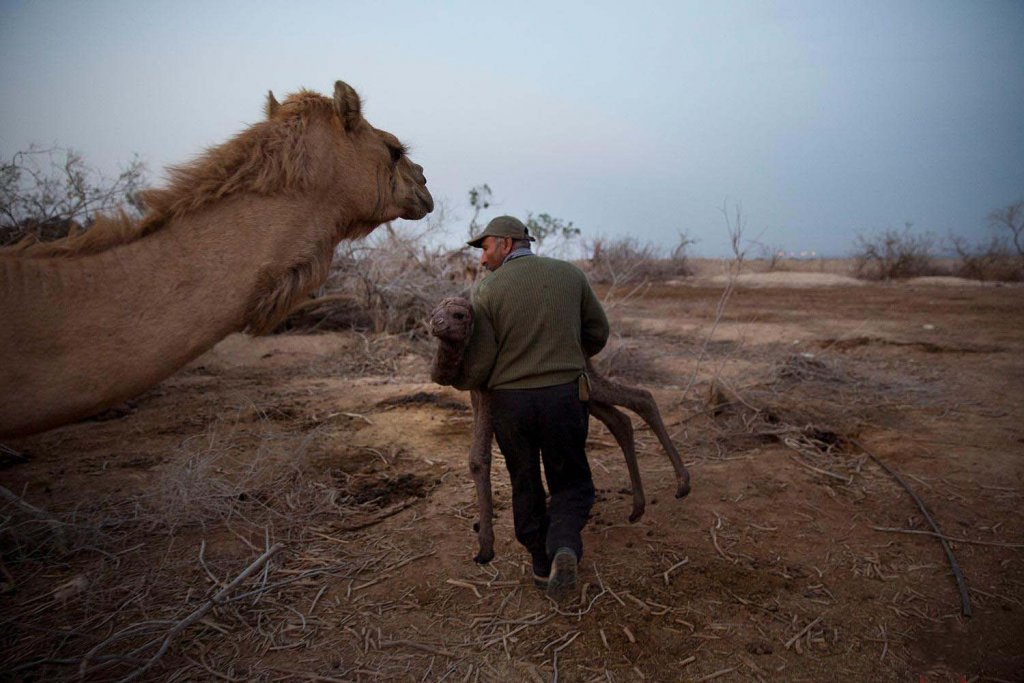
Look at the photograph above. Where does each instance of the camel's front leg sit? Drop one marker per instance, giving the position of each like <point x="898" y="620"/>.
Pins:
<point x="480" y="469"/>
<point x="619" y="425"/>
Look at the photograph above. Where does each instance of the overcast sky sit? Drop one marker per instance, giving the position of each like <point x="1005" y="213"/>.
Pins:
<point x="823" y="119"/>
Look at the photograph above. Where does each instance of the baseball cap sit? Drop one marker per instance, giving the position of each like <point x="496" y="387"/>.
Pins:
<point x="502" y="226"/>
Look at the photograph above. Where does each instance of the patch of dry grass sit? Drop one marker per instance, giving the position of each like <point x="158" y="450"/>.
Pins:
<point x="146" y="580"/>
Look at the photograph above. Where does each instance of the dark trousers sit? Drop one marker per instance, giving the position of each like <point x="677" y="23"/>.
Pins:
<point x="549" y="423"/>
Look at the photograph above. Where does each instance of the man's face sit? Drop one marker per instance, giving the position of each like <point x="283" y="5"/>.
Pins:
<point x="495" y="249"/>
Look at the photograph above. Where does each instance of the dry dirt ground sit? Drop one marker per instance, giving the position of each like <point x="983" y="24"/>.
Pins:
<point x="796" y="557"/>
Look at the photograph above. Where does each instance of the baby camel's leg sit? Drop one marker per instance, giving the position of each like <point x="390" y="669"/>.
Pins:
<point x="641" y="402"/>
<point x="619" y="425"/>
<point x="480" y="470"/>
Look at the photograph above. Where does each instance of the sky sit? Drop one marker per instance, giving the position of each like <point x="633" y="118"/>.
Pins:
<point x="822" y="120"/>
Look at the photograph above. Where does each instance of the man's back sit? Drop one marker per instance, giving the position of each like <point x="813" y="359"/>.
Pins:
<point x="536" y="322"/>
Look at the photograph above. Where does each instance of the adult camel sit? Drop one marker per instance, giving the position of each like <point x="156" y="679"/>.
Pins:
<point x="233" y="241"/>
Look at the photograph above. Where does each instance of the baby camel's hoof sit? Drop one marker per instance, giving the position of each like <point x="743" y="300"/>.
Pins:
<point x="638" y="512"/>
<point x="683" y="489"/>
<point x="484" y="556"/>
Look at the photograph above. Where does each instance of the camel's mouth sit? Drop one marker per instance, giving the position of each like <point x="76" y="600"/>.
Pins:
<point x="422" y="204"/>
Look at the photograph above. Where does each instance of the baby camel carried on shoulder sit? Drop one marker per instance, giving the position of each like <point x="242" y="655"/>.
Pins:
<point x="452" y="323"/>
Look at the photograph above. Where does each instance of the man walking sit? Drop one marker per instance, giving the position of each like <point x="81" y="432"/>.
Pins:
<point x="536" y="320"/>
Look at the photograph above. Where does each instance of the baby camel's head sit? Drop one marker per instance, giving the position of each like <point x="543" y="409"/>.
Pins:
<point x="452" y="320"/>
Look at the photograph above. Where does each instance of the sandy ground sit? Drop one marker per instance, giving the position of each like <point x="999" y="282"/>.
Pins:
<point x="796" y="557"/>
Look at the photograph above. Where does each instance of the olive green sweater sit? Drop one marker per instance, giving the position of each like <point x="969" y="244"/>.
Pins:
<point x="535" y="321"/>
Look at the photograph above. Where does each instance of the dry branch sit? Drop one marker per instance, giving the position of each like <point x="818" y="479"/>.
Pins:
<point x="193" y="618"/>
<point x="965" y="599"/>
<point x="951" y="539"/>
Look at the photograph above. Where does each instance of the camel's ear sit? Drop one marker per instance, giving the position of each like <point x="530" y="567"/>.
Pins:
<point x="346" y="104"/>
<point x="272" y="104"/>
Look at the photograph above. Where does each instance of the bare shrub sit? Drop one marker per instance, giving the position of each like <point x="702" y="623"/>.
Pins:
<point x="805" y="367"/>
<point x="735" y="226"/>
<point x="45" y="193"/>
<point x="388" y="283"/>
<point x="894" y="254"/>
<point x="627" y="260"/>
<point x="627" y="360"/>
<point x="994" y="261"/>
<point x="771" y="255"/>
<point x="1010" y="220"/>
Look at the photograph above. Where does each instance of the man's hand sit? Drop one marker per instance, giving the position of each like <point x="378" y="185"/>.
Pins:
<point x="452" y="320"/>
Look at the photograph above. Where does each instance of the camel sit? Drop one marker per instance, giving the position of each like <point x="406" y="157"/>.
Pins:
<point x="235" y="239"/>
<point x="452" y="323"/>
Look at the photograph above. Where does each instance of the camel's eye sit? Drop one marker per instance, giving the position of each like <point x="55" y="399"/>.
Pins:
<point x="397" y="152"/>
<point x="459" y="316"/>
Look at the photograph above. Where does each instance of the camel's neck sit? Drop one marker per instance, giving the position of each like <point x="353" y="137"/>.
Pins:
<point x="99" y="329"/>
<point x="447" y="361"/>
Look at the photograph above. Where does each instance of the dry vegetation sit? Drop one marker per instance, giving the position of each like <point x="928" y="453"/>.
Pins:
<point x="388" y="283"/>
<point x="297" y="507"/>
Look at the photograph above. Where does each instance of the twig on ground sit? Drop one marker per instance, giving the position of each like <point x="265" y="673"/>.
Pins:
<point x="677" y="565"/>
<point x="965" y="599"/>
<point x="717" y="674"/>
<point x="805" y="629"/>
<point x="381" y="516"/>
<point x="951" y="539"/>
<point x="414" y="645"/>
<point x="191" y="619"/>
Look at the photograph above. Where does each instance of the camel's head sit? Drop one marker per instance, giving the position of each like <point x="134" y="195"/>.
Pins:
<point x="452" y="320"/>
<point x="366" y="171"/>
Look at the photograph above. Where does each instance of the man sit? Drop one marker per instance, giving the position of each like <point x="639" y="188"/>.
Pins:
<point x="536" y="320"/>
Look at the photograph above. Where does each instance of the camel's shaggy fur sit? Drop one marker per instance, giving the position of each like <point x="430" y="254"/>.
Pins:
<point x="268" y="158"/>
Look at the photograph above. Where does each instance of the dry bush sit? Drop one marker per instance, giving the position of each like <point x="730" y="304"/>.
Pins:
<point x="1002" y="259"/>
<point x="627" y="260"/>
<point x="45" y="193"/>
<point x="388" y="283"/>
<point x="771" y="256"/>
<point x="628" y="361"/>
<point x="994" y="261"/>
<point x="895" y="254"/>
<point x="1008" y="222"/>
<point x="805" y="367"/>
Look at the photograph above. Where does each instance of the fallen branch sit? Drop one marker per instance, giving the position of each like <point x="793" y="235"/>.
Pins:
<point x="951" y="539"/>
<point x="965" y="599"/>
<point x="196" y="616"/>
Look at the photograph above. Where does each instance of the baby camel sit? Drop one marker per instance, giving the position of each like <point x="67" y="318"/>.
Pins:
<point x="452" y="323"/>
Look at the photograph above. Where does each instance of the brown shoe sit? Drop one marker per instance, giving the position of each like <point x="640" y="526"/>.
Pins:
<point x="562" y="583"/>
